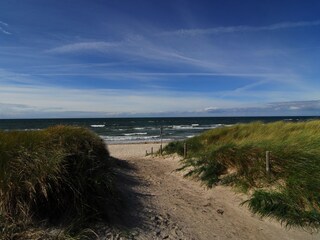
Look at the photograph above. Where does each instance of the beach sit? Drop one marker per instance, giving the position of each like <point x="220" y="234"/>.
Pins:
<point x="162" y="204"/>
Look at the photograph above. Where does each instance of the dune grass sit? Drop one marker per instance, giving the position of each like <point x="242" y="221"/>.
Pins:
<point x="236" y="156"/>
<point x="59" y="176"/>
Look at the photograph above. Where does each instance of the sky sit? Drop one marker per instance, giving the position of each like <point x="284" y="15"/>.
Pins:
<point x="125" y="58"/>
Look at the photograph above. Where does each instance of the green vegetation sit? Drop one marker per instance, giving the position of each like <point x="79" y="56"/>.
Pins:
<point x="236" y="156"/>
<point x="57" y="176"/>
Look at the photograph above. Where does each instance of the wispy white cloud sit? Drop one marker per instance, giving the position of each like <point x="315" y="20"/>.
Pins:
<point x="258" y="78"/>
<point x="244" y="28"/>
<point x="4" y="31"/>
<point x="9" y="77"/>
<point x="297" y="105"/>
<point x="75" y="65"/>
<point x="3" y="25"/>
<point x="136" y="48"/>
<point x="213" y="60"/>
<point x="100" y="46"/>
<point x="165" y="74"/>
<point x="36" y="75"/>
<point x="294" y="108"/>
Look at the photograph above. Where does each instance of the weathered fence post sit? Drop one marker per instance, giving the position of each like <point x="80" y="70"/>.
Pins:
<point x="151" y="151"/>
<point x="146" y="152"/>
<point x="185" y="150"/>
<point x="161" y="132"/>
<point x="268" y="162"/>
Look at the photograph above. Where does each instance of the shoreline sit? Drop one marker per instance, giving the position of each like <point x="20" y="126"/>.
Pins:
<point x="141" y="143"/>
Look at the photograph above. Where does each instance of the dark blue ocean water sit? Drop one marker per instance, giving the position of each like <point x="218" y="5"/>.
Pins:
<point x="126" y="130"/>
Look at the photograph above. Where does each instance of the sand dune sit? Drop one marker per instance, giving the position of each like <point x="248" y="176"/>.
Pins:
<point x="161" y="204"/>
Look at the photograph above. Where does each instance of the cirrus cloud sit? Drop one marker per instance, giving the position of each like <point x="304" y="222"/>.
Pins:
<point x="243" y="28"/>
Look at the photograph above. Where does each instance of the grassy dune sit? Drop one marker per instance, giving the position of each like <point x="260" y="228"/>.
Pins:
<point x="236" y="156"/>
<point x="60" y="175"/>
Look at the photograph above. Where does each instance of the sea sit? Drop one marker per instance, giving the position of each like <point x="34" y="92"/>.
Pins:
<point x="139" y="130"/>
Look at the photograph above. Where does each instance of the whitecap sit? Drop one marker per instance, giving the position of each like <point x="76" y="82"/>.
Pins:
<point x="133" y="134"/>
<point x="182" y="127"/>
<point x="97" y="125"/>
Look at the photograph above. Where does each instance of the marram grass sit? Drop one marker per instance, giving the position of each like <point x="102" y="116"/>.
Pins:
<point x="59" y="175"/>
<point x="236" y="156"/>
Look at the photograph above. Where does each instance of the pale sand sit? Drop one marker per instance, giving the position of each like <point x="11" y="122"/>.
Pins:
<point x="164" y="205"/>
<point x="132" y="151"/>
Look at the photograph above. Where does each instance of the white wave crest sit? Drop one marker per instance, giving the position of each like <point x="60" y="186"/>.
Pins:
<point x="97" y="125"/>
<point x="134" y="134"/>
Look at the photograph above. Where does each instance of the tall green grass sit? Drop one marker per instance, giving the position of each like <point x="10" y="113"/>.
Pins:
<point x="59" y="175"/>
<point x="236" y="156"/>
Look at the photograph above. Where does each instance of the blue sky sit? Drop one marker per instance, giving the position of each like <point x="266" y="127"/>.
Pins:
<point x="110" y="58"/>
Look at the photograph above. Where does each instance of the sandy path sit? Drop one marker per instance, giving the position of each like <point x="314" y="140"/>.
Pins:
<point x="161" y="204"/>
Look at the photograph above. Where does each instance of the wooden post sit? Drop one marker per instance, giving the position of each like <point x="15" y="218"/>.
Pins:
<point x="151" y="151"/>
<point x="146" y="153"/>
<point x="185" y="151"/>
<point x="268" y="162"/>
<point x="161" y="132"/>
